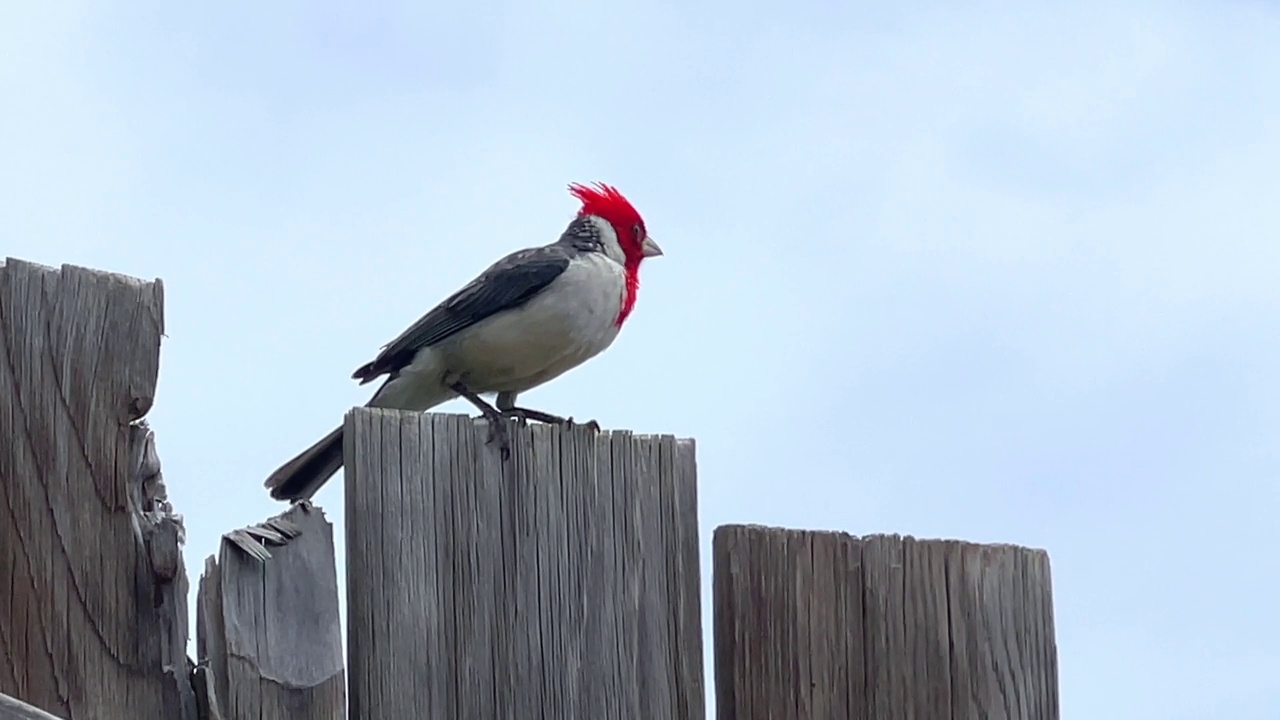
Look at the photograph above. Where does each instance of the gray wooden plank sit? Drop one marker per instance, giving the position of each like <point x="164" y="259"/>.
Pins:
<point x="828" y="625"/>
<point x="927" y="638"/>
<point x="684" y="561"/>
<point x="583" y="622"/>
<point x="626" y="530"/>
<point x="361" y="545"/>
<point x="608" y="574"/>
<point x="425" y="457"/>
<point x="884" y="626"/>
<point x="89" y="544"/>
<point x="550" y="548"/>
<point x="473" y="515"/>
<point x="496" y="550"/>
<point x="556" y="584"/>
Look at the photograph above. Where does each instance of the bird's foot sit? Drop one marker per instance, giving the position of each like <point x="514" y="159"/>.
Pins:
<point x="524" y="415"/>
<point x="495" y="419"/>
<point x="498" y="433"/>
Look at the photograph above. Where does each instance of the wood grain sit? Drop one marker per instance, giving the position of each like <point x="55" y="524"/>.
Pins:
<point x="94" y="623"/>
<point x="15" y="709"/>
<point x="268" y="625"/>
<point x="562" y="584"/>
<point x="822" y="625"/>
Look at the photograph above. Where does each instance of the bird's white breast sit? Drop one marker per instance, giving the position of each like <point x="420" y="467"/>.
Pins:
<point x="569" y="322"/>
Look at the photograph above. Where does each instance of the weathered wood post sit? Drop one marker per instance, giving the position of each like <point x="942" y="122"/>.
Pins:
<point x="268" y="627"/>
<point x="560" y="584"/>
<point x="14" y="709"/>
<point x="824" y="625"/>
<point x="93" y="620"/>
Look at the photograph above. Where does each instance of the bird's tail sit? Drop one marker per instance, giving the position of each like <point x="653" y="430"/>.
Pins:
<point x="302" y="476"/>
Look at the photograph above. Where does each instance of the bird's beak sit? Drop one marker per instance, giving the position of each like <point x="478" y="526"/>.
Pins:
<point x="649" y="248"/>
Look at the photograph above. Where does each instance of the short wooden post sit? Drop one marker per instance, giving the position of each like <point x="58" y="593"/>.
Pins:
<point x="269" y="632"/>
<point x="94" y="621"/>
<point x="822" y="625"/>
<point x="560" y="584"/>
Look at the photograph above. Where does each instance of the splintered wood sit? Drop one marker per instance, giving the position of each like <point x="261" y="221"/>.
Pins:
<point x="268" y="624"/>
<point x="560" y="584"/>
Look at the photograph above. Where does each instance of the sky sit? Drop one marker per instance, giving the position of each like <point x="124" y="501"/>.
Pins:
<point x="1000" y="272"/>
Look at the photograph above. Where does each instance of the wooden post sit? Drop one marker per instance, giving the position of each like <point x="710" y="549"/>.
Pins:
<point x="268" y="627"/>
<point x="15" y="709"/>
<point x="824" y="625"/>
<point x="560" y="584"/>
<point x="94" y="618"/>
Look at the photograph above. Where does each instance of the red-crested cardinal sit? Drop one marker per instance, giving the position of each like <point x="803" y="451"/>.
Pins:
<point x="527" y="319"/>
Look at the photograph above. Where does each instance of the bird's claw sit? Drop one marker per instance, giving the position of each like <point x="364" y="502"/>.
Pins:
<point x="591" y="425"/>
<point x="498" y="433"/>
<point x="524" y="415"/>
<point x="498" y="428"/>
<point x="496" y="419"/>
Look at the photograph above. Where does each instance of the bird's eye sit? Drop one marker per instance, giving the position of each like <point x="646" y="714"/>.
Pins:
<point x="638" y="231"/>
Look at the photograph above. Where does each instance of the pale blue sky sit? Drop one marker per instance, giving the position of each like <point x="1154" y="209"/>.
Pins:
<point x="1000" y="272"/>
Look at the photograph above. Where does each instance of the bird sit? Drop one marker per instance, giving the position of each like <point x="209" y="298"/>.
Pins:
<point x="528" y="318"/>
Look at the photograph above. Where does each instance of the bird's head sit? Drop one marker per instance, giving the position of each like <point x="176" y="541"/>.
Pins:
<point x="606" y="203"/>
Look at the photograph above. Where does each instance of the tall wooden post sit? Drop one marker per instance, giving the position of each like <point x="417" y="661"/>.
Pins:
<point x="822" y="625"/>
<point x="560" y="584"/>
<point x="94" y="619"/>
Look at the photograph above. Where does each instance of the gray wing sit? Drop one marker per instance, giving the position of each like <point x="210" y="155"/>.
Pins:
<point x="508" y="283"/>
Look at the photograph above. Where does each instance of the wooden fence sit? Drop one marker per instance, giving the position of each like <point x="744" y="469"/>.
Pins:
<point x="564" y="583"/>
